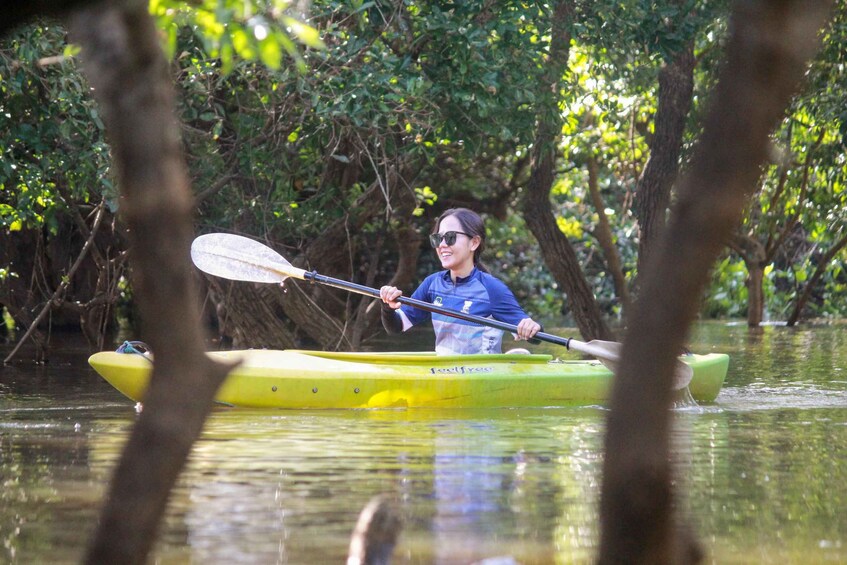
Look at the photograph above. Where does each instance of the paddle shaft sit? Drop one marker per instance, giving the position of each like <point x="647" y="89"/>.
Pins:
<point x="314" y="277"/>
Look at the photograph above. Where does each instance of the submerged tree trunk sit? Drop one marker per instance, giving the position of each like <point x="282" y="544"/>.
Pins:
<point x="559" y="255"/>
<point x="126" y="67"/>
<point x="755" y="294"/>
<point x="755" y="258"/>
<point x="769" y="45"/>
<point x="652" y="192"/>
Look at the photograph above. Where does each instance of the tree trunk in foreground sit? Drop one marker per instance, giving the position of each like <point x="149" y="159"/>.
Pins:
<point x="375" y="534"/>
<point x="559" y="255"/>
<point x="125" y="65"/>
<point x="769" y="45"/>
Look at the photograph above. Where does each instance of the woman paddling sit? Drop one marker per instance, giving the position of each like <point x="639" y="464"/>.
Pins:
<point x="464" y="285"/>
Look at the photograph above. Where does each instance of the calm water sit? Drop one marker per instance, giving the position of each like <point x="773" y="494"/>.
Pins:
<point x="763" y="470"/>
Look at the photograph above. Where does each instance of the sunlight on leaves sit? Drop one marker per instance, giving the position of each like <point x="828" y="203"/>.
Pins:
<point x="252" y="30"/>
<point x="571" y="227"/>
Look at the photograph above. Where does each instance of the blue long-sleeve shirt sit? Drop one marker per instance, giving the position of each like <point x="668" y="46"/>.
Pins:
<point x="480" y="294"/>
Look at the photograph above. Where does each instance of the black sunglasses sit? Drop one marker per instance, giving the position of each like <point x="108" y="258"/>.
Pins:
<point x="448" y="237"/>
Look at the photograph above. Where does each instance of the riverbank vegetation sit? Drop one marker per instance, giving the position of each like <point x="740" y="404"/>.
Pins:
<point x="340" y="151"/>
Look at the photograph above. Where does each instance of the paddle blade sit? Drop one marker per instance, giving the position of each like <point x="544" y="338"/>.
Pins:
<point x="682" y="375"/>
<point x="609" y="353"/>
<point x="241" y="259"/>
<point x="609" y="350"/>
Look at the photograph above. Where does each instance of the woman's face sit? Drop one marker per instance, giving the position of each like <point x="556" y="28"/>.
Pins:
<point x="459" y="256"/>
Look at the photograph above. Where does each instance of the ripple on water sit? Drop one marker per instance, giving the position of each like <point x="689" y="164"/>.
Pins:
<point x="768" y="397"/>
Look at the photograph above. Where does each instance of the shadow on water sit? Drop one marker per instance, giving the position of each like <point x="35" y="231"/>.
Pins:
<point x="757" y="468"/>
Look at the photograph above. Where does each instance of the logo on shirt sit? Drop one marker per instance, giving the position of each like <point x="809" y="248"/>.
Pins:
<point x="466" y="309"/>
<point x="438" y="301"/>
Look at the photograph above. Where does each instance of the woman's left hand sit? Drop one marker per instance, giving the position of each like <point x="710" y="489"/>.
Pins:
<point x="527" y="328"/>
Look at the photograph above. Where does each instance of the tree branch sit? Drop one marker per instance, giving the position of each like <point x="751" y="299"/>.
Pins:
<point x="800" y="303"/>
<point x="60" y="290"/>
<point x="773" y="245"/>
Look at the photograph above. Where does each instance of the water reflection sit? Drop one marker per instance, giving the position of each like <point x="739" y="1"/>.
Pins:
<point x="761" y="470"/>
<point x="764" y="495"/>
<point x="287" y="488"/>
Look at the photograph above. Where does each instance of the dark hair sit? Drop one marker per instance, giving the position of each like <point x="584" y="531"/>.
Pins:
<point x="472" y="224"/>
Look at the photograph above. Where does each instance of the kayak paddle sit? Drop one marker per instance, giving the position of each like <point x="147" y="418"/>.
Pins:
<point x="240" y="258"/>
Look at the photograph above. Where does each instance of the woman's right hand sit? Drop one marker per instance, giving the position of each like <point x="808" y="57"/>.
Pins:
<point x="389" y="295"/>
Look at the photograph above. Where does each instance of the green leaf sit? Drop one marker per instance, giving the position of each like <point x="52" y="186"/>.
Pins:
<point x="305" y="33"/>
<point x="270" y="53"/>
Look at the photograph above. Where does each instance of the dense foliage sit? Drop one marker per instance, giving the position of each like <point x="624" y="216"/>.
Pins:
<point x="53" y="147"/>
<point x="286" y="124"/>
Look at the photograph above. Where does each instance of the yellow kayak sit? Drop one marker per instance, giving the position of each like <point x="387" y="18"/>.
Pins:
<point x="312" y="379"/>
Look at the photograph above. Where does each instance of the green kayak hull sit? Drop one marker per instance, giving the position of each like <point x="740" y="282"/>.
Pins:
<point x="310" y="379"/>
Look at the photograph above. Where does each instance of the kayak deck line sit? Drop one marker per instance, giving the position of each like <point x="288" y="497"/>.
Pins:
<point x="316" y="379"/>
